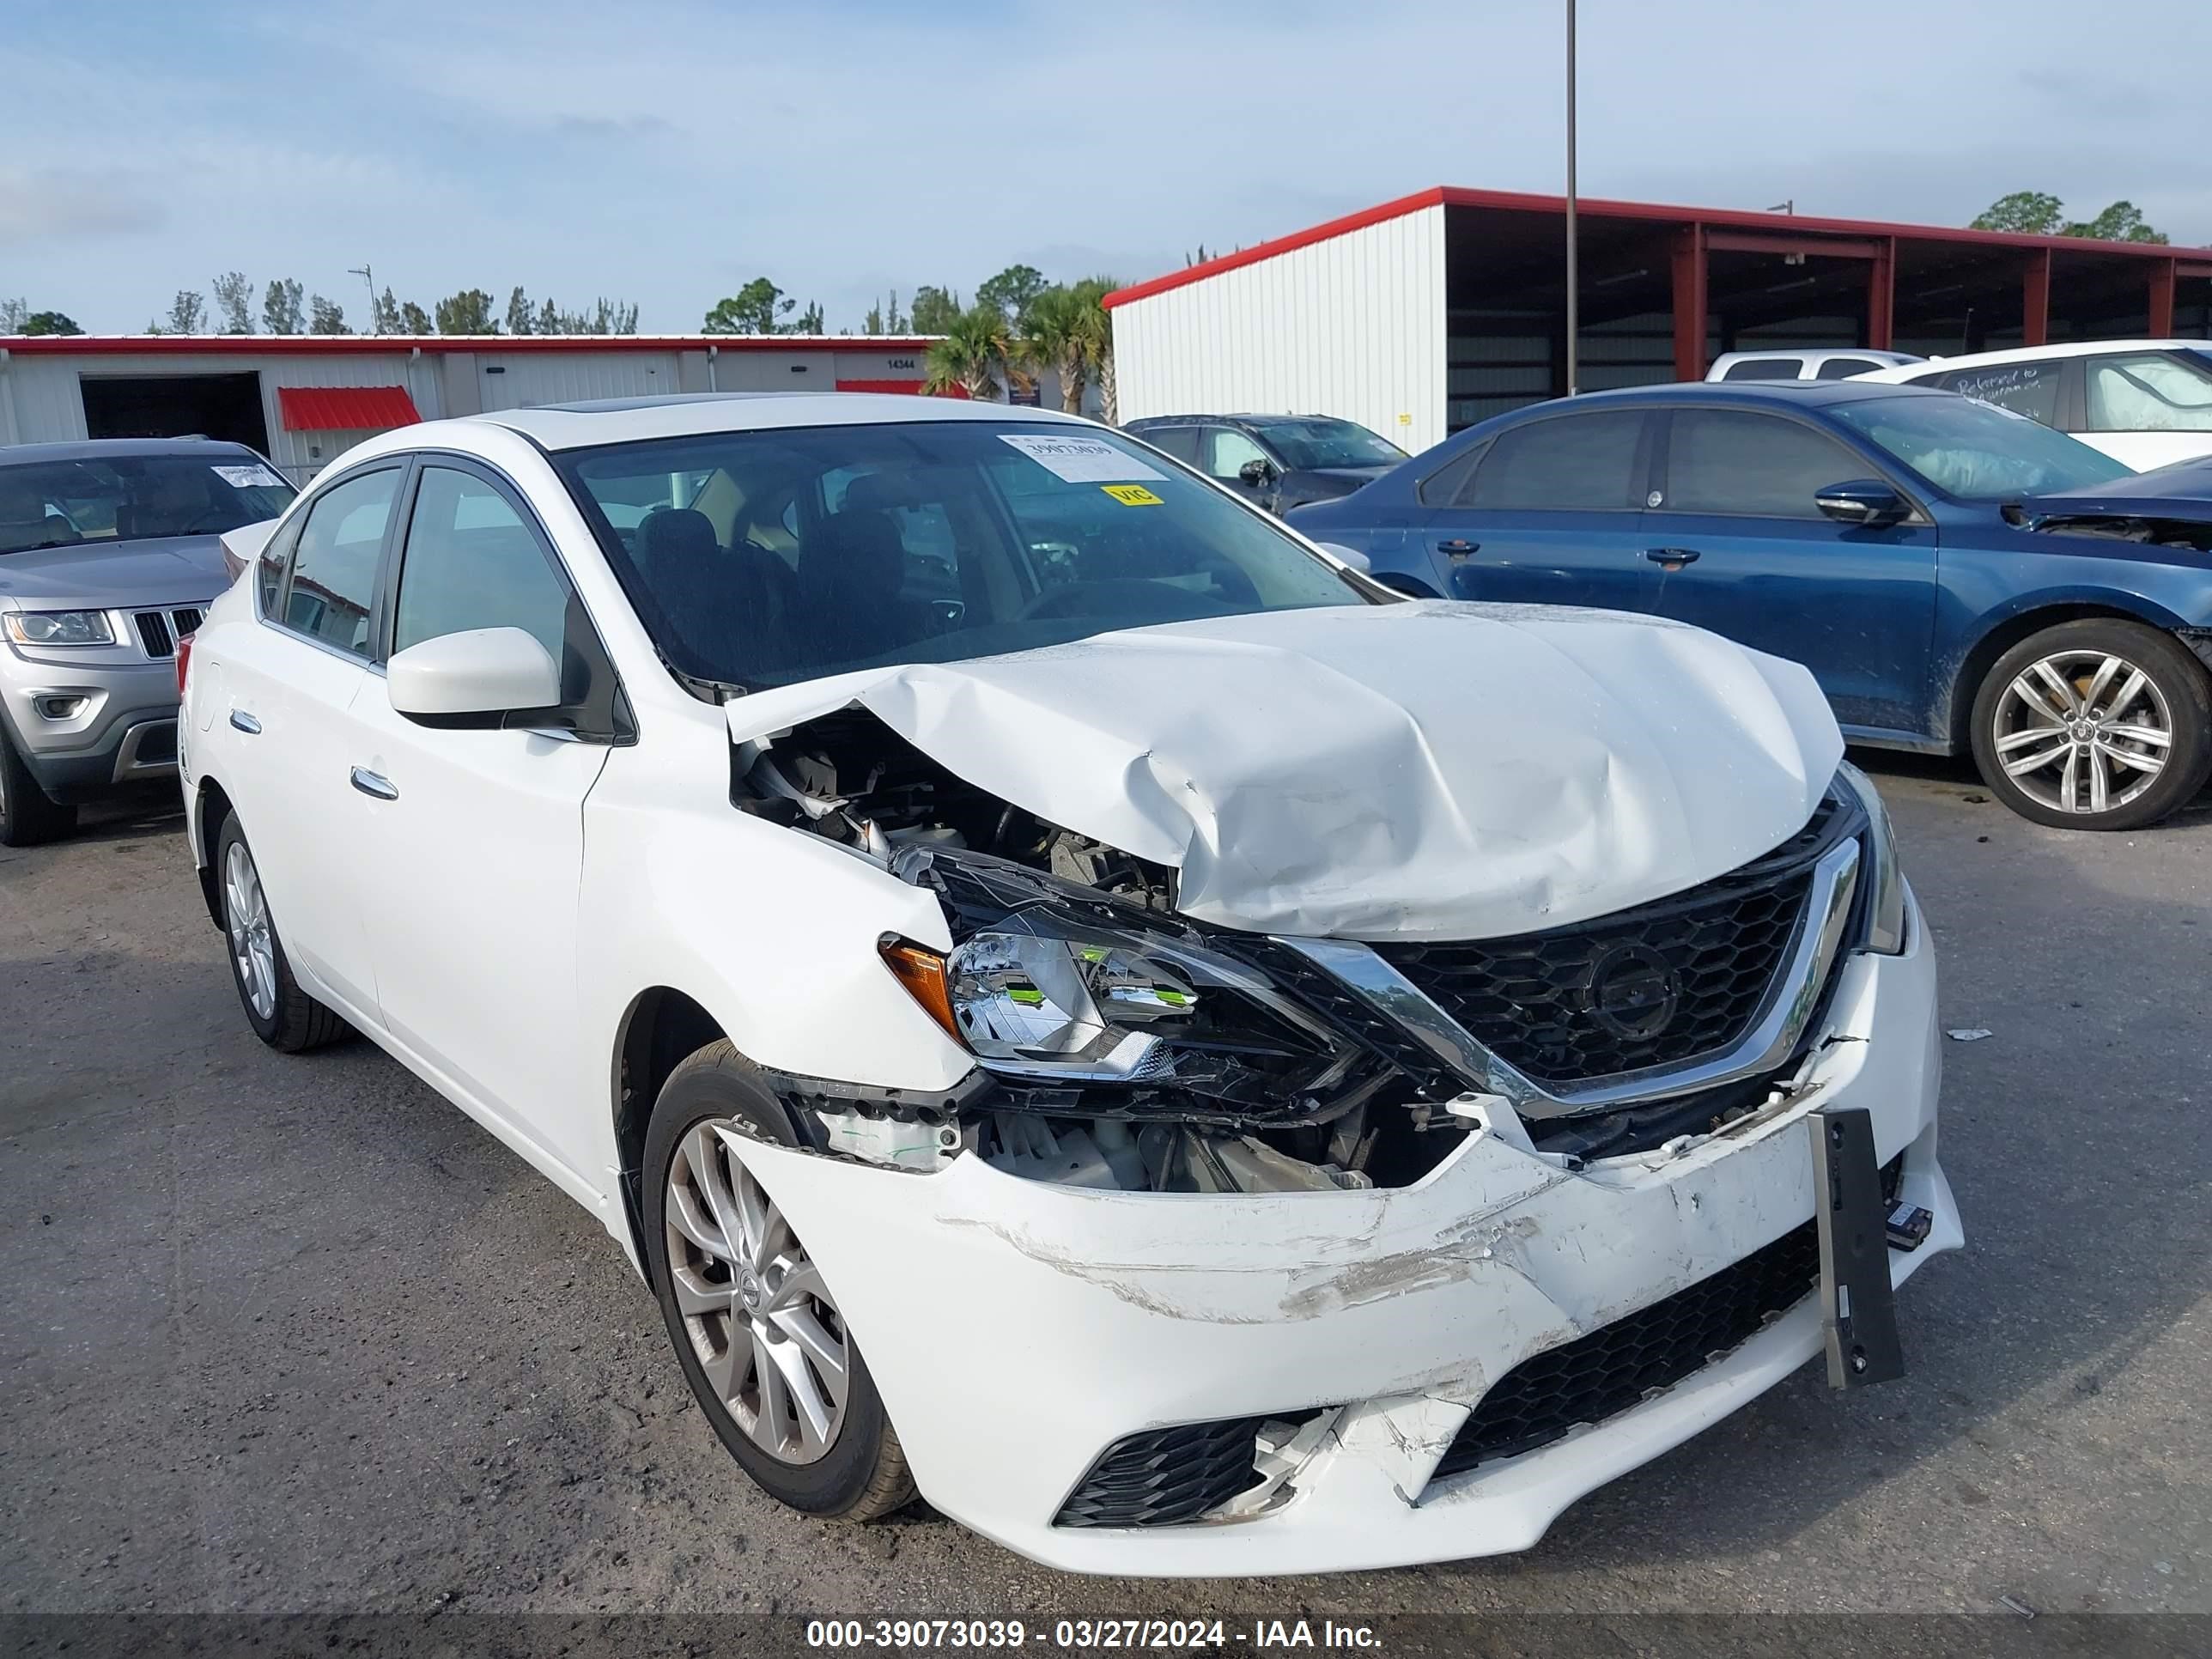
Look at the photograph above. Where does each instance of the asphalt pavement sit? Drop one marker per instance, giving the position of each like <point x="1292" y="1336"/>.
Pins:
<point x="284" y="1334"/>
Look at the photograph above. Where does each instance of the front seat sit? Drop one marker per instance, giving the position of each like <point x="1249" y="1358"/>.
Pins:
<point x="24" y="521"/>
<point x="850" y="575"/>
<point x="727" y="604"/>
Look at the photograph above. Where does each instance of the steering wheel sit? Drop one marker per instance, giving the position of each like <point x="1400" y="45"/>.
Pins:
<point x="200" y="526"/>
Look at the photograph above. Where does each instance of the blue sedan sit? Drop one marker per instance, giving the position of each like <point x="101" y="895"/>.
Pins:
<point x="1958" y="578"/>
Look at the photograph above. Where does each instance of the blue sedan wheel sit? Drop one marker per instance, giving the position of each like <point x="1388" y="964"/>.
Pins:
<point x="2094" y="725"/>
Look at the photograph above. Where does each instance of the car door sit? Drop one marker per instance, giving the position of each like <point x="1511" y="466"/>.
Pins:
<point x="290" y="685"/>
<point x="1548" y="513"/>
<point x="1743" y="550"/>
<point x="2148" y="408"/>
<point x="472" y="869"/>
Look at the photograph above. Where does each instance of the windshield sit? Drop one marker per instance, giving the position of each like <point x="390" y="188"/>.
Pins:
<point x="1305" y="445"/>
<point x="763" y="557"/>
<point x="130" y="497"/>
<point x="1976" y="450"/>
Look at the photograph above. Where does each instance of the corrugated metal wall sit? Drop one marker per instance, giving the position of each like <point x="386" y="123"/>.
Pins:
<point x="1353" y="327"/>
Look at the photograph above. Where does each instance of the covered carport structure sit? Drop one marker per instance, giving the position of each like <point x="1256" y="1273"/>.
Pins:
<point x="1427" y="313"/>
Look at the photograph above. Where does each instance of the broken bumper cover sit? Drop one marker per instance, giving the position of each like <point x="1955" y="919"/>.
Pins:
<point x="1017" y="1328"/>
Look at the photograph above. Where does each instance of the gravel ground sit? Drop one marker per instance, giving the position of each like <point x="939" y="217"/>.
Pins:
<point x="294" y="1335"/>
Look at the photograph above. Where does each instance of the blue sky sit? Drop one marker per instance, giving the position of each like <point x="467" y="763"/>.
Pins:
<point x="667" y="151"/>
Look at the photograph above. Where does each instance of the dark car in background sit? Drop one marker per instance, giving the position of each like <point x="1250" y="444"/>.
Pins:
<point x="1959" y="578"/>
<point x="108" y="559"/>
<point x="1279" y="461"/>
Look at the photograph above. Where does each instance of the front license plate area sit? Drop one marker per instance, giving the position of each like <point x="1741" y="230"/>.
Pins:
<point x="1858" y="1314"/>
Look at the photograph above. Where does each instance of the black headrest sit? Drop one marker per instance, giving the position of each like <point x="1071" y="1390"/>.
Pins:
<point x="674" y="536"/>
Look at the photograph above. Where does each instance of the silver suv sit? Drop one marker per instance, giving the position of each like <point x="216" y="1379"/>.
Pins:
<point x="108" y="556"/>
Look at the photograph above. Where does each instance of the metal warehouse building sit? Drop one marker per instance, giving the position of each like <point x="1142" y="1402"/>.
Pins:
<point x="1437" y="310"/>
<point x="302" y="400"/>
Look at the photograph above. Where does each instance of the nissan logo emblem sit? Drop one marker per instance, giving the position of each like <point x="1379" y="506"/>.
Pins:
<point x="1632" y="991"/>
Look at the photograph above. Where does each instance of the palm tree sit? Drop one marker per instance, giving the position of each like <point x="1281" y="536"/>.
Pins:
<point x="1057" y="334"/>
<point x="1098" y="331"/>
<point x="975" y="348"/>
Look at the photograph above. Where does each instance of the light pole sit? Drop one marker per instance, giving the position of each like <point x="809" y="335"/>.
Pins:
<point x="365" y="276"/>
<point x="1574" y="318"/>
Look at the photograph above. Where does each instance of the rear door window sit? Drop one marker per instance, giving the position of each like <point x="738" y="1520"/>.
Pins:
<point x="1735" y="461"/>
<point x="1764" y="369"/>
<point x="332" y="589"/>
<point x="1842" y="368"/>
<point x="1180" y="441"/>
<point x="2029" y="389"/>
<point x="2152" y="392"/>
<point x="1568" y="461"/>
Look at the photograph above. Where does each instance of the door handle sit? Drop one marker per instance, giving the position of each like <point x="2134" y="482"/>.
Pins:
<point x="1672" y="558"/>
<point x="245" y="722"/>
<point x="370" y="784"/>
<point x="1458" y="548"/>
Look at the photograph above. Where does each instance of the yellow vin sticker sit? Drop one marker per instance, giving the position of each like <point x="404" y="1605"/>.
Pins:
<point x="1130" y="494"/>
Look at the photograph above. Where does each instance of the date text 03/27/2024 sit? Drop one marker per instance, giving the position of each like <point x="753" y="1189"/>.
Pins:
<point x="1085" y="1635"/>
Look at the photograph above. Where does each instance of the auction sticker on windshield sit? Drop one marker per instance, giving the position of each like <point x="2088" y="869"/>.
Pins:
<point x="1131" y="494"/>
<point x="1079" y="460"/>
<point x="255" y="476"/>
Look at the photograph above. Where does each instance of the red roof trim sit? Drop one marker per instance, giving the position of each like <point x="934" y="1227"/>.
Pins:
<point x="345" y="408"/>
<point x="1259" y="250"/>
<point x="1598" y="207"/>
<point x="309" y="345"/>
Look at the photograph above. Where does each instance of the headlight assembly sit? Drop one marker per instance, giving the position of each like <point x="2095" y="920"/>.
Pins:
<point x="59" y="627"/>
<point x="1884" y="932"/>
<point x="1042" y="998"/>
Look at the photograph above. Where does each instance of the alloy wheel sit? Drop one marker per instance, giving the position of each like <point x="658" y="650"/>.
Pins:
<point x="246" y="920"/>
<point x="2083" y="731"/>
<point x="760" y="1321"/>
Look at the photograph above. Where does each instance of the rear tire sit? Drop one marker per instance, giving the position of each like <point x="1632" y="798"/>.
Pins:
<point x="728" y="1294"/>
<point x="281" y="1015"/>
<point x="27" y="815"/>
<point x="2099" y="724"/>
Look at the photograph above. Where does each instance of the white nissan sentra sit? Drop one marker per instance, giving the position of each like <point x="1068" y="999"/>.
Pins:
<point x="1081" y="1006"/>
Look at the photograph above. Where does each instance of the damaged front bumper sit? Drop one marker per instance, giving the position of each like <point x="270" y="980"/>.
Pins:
<point x="1024" y="1334"/>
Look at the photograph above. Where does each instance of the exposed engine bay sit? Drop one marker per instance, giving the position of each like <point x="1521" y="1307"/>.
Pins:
<point x="2195" y="533"/>
<point x="1121" y="1045"/>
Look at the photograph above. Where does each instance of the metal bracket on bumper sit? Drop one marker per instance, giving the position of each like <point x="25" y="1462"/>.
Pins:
<point x="1858" y="1314"/>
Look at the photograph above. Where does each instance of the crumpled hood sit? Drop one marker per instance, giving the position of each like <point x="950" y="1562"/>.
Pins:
<point x="1424" y="770"/>
<point x="102" y="574"/>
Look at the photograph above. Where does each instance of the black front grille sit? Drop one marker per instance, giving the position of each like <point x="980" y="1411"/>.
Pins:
<point x="186" y="620"/>
<point x="1550" y="1395"/>
<point x="1165" y="1476"/>
<point x="154" y="634"/>
<point x="1665" y="984"/>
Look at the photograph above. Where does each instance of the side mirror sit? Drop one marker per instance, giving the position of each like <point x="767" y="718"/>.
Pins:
<point x="1257" y="471"/>
<point x="483" y="672"/>
<point x="1350" y="556"/>
<point x="1867" y="502"/>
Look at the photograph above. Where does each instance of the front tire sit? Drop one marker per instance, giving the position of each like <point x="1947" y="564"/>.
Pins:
<point x="2094" y="725"/>
<point x="281" y="1015"/>
<point x="27" y="815"/>
<point x="756" y="1328"/>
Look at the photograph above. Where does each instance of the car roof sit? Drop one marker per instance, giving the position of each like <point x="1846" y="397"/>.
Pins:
<point x="686" y="415"/>
<point x="1796" y="394"/>
<point x="2034" y="355"/>
<point x="104" y="449"/>
<point x="1280" y="415"/>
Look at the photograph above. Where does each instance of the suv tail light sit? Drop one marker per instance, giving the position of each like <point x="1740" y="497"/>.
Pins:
<point x="183" y="661"/>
